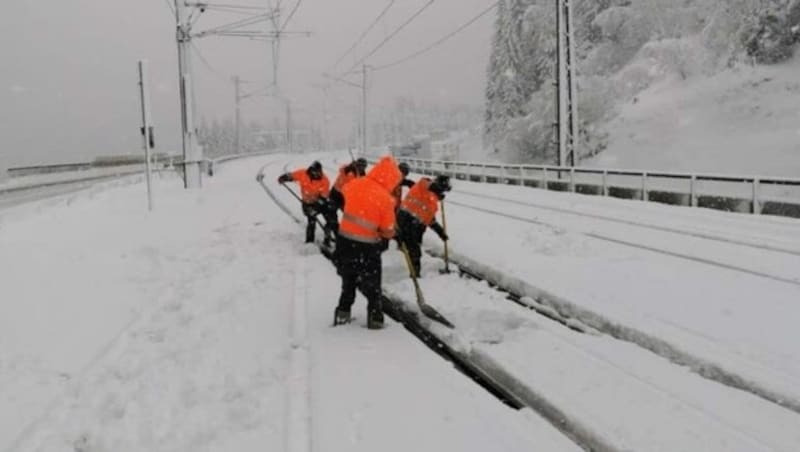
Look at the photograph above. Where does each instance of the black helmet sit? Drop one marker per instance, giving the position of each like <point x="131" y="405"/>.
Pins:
<point x="404" y="168"/>
<point x="441" y="184"/>
<point x="315" y="170"/>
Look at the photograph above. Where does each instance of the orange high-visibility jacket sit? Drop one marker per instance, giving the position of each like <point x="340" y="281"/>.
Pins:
<point x="311" y="190"/>
<point x="369" y="207"/>
<point x="421" y="202"/>
<point x="344" y="177"/>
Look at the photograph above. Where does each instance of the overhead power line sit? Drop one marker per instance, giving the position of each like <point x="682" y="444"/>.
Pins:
<point x="291" y="14"/>
<point x="365" y="32"/>
<point x="208" y="65"/>
<point x="391" y="35"/>
<point x="170" y="6"/>
<point x="438" y="42"/>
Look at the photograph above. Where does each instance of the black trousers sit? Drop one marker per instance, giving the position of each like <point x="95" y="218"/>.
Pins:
<point x="410" y="231"/>
<point x="359" y="265"/>
<point x="337" y="199"/>
<point x="331" y="226"/>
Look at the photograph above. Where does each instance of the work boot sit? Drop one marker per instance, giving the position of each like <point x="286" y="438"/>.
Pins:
<point x="375" y="320"/>
<point x="341" y="316"/>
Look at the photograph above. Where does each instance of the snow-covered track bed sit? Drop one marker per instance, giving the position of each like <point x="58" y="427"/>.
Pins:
<point x="759" y="261"/>
<point x="719" y="230"/>
<point x="604" y="393"/>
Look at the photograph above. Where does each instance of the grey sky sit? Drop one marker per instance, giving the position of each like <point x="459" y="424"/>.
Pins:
<point x="68" y="78"/>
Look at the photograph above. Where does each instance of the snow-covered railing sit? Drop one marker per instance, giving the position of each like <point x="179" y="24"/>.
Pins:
<point x="86" y="175"/>
<point x="741" y="193"/>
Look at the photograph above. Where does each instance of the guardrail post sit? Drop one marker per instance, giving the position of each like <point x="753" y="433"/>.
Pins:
<point x="483" y="174"/>
<point x="544" y="178"/>
<point x="572" y="179"/>
<point x="756" y="200"/>
<point x="693" y="191"/>
<point x="644" y="186"/>
<point x="605" y="182"/>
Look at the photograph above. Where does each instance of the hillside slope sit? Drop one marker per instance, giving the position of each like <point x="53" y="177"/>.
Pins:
<point x="744" y="120"/>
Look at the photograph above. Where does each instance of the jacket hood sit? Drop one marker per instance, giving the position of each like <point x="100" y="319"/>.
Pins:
<point x="386" y="173"/>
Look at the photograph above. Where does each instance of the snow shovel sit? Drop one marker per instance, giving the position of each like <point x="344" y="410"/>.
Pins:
<point x="426" y="309"/>
<point x="446" y="269"/>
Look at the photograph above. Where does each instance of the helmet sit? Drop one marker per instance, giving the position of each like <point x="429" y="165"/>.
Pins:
<point x="441" y="184"/>
<point x="404" y="168"/>
<point x="315" y="170"/>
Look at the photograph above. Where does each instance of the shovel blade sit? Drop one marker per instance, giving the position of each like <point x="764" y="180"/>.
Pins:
<point x="433" y="314"/>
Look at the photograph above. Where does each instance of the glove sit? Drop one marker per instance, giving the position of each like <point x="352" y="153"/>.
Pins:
<point x="284" y="178"/>
<point x="437" y="228"/>
<point x="321" y="205"/>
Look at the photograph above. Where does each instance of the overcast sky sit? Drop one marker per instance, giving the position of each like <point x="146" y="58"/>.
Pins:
<point x="68" y="79"/>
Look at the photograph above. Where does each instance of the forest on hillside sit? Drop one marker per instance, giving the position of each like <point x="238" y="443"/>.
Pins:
<point x="623" y="47"/>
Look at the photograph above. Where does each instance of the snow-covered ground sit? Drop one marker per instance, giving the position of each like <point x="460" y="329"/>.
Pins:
<point x="205" y="325"/>
<point x="741" y="121"/>
<point x="125" y="330"/>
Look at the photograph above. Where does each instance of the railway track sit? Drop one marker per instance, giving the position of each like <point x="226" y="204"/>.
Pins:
<point x="507" y="387"/>
<point x="530" y="218"/>
<point x="647" y="225"/>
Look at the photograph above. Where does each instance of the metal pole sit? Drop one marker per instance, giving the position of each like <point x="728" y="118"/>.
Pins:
<point x="364" y="110"/>
<point x="238" y="137"/>
<point x="192" y="174"/>
<point x="561" y="77"/>
<point x="144" y="94"/>
<point x="573" y="97"/>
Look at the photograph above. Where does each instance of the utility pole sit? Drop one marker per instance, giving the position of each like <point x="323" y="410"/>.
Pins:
<point x="364" y="110"/>
<point x="192" y="155"/>
<point x="147" y="127"/>
<point x="237" y="92"/>
<point x="566" y="93"/>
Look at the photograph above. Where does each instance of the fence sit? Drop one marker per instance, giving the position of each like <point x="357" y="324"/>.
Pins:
<point x="753" y="194"/>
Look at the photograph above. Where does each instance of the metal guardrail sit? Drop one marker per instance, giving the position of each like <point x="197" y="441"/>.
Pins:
<point x="739" y="193"/>
<point x="209" y="167"/>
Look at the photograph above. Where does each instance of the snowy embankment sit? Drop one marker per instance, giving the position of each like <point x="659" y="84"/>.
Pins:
<point x="122" y="330"/>
<point x="742" y="121"/>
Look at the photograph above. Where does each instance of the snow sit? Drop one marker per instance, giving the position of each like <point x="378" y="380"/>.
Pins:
<point x="741" y="121"/>
<point x="205" y="326"/>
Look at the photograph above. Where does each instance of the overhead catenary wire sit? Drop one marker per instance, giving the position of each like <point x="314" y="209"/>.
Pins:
<point x="391" y="35"/>
<point x="364" y="33"/>
<point x="170" y="6"/>
<point x="291" y="14"/>
<point x="437" y="42"/>
<point x="208" y="65"/>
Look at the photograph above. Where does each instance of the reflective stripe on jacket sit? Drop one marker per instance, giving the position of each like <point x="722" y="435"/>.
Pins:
<point x="421" y="202"/>
<point x="311" y="190"/>
<point x="369" y="207"/>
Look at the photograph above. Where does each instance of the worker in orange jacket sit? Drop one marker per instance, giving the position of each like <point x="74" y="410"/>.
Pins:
<point x="366" y="227"/>
<point x="418" y="212"/>
<point x="347" y="173"/>
<point x="406" y="182"/>
<point x="314" y="192"/>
